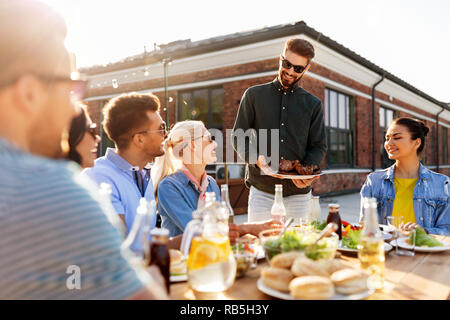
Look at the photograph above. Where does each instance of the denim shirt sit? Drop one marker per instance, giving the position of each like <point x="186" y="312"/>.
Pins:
<point x="431" y="200"/>
<point x="177" y="199"/>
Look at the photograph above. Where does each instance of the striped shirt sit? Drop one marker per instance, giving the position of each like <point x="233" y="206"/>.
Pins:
<point x="54" y="236"/>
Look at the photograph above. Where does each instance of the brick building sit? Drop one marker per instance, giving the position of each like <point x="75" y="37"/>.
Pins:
<point x="206" y="80"/>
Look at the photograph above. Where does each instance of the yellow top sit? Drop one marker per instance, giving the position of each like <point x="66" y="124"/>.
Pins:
<point x="403" y="202"/>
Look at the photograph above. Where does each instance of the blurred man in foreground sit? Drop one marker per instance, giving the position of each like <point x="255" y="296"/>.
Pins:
<point x="55" y="240"/>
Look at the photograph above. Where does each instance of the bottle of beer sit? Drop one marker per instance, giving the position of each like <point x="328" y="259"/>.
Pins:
<point x="159" y="253"/>
<point x="226" y="202"/>
<point x="278" y="211"/>
<point x="333" y="216"/>
<point x="371" y="245"/>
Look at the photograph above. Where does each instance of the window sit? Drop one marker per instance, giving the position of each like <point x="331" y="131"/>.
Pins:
<point x="202" y="104"/>
<point x="444" y="145"/>
<point x="338" y="123"/>
<point x="385" y="118"/>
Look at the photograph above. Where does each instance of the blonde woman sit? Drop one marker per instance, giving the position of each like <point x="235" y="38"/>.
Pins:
<point x="180" y="179"/>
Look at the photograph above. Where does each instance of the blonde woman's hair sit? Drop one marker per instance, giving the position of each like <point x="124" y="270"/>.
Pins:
<point x="178" y="138"/>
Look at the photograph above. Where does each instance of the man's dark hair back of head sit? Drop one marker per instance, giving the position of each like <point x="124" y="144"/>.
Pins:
<point x="31" y="39"/>
<point x="301" y="47"/>
<point x="126" y="114"/>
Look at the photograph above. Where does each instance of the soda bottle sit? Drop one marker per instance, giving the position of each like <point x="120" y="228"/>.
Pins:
<point x="333" y="216"/>
<point x="159" y="253"/>
<point x="226" y="202"/>
<point x="278" y="211"/>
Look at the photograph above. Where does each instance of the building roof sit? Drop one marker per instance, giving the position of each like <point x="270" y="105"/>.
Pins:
<point x="186" y="48"/>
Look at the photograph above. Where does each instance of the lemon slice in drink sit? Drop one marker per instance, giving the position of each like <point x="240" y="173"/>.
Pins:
<point x="204" y="255"/>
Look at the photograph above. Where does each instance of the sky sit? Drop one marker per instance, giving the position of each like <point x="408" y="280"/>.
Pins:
<point x="410" y="39"/>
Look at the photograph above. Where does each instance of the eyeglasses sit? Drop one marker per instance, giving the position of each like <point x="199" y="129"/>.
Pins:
<point x="162" y="128"/>
<point x="77" y="92"/>
<point x="287" y="64"/>
<point x="208" y="138"/>
<point x="92" y="130"/>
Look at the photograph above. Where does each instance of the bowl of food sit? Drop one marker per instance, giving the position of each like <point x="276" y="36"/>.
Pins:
<point x="298" y="239"/>
<point x="244" y="254"/>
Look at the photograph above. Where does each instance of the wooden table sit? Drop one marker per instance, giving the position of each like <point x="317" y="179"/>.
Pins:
<point x="425" y="276"/>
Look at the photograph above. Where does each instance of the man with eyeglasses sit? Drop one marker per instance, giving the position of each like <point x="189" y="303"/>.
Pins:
<point x="56" y="242"/>
<point x="132" y="121"/>
<point x="298" y="116"/>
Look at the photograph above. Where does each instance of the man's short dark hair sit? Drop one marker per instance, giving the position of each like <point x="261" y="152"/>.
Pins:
<point x="126" y="114"/>
<point x="301" y="47"/>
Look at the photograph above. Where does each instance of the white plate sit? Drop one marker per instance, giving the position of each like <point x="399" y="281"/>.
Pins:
<point x="297" y="176"/>
<point x="387" y="248"/>
<point x="286" y="296"/>
<point x="386" y="235"/>
<point x="179" y="278"/>
<point x="403" y="244"/>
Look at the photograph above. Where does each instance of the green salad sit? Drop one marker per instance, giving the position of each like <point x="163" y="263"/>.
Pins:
<point x="424" y="240"/>
<point x="294" y="240"/>
<point x="351" y="240"/>
<point x="319" y="225"/>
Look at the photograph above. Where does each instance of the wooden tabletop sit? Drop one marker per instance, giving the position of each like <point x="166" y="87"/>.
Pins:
<point x="424" y="276"/>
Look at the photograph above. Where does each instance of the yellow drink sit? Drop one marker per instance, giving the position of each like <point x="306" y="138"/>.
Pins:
<point x="371" y="257"/>
<point x="211" y="265"/>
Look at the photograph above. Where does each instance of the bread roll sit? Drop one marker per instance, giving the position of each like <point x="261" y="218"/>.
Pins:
<point x="332" y="265"/>
<point x="277" y="278"/>
<point x="311" y="288"/>
<point x="285" y="260"/>
<point x="349" y="281"/>
<point x="304" y="266"/>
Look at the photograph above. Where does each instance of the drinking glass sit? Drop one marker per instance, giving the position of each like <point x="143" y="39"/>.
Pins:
<point x="396" y="223"/>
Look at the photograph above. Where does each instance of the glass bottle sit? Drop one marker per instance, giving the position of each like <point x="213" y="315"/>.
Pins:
<point x="315" y="212"/>
<point x="136" y="246"/>
<point x="278" y="211"/>
<point x="226" y="202"/>
<point x="333" y="216"/>
<point x="159" y="253"/>
<point x="371" y="245"/>
<point x="105" y="192"/>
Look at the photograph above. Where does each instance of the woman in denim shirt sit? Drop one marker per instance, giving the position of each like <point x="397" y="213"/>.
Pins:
<point x="428" y="202"/>
<point x="180" y="179"/>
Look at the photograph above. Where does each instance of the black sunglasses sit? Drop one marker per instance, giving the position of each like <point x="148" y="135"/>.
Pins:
<point x="287" y="64"/>
<point x="77" y="92"/>
<point x="92" y="130"/>
<point x="162" y="128"/>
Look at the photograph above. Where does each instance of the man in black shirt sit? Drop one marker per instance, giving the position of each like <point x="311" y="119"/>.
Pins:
<point x="281" y="106"/>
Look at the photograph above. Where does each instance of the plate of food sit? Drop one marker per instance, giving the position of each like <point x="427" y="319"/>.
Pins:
<point x="178" y="270"/>
<point x="350" y="240"/>
<point x="293" y="276"/>
<point x="424" y="243"/>
<point x="293" y="169"/>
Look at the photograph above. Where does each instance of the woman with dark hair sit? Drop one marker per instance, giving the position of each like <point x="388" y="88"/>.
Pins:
<point x="83" y="139"/>
<point x="408" y="188"/>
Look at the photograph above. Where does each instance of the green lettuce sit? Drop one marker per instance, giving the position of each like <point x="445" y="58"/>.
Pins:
<point x="424" y="240"/>
<point x="351" y="241"/>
